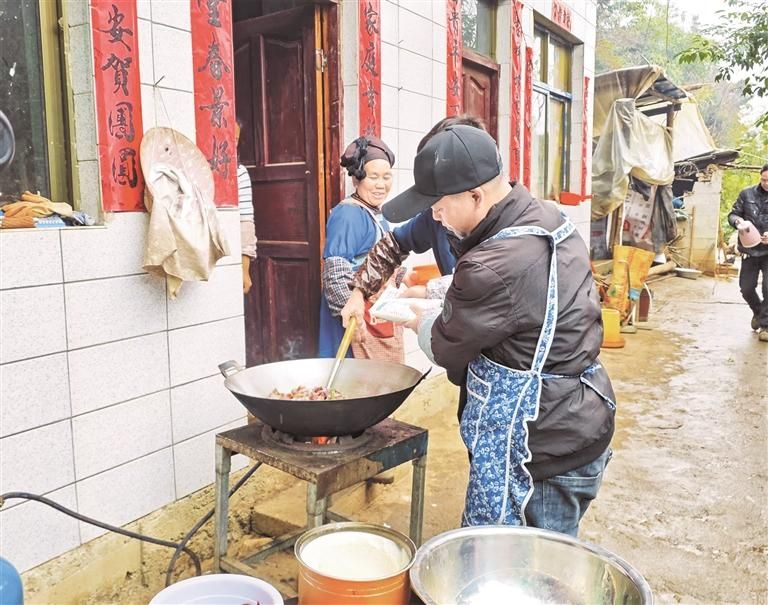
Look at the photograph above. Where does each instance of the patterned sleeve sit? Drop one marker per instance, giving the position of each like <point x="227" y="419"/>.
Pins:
<point x="382" y="261"/>
<point x="438" y="287"/>
<point x="337" y="273"/>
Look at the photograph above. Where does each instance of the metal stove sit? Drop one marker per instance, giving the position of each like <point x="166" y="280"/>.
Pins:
<point x="327" y="468"/>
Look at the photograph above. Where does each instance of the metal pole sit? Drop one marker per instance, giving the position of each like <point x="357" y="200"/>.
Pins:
<point x="315" y="507"/>
<point x="221" y="512"/>
<point x="417" y="498"/>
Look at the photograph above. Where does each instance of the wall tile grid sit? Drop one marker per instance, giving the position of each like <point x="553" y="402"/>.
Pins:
<point x="413" y="78"/>
<point x="86" y="385"/>
<point x="166" y="68"/>
<point x="413" y="41"/>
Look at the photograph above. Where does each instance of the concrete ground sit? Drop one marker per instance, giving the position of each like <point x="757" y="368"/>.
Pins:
<point x="684" y="498"/>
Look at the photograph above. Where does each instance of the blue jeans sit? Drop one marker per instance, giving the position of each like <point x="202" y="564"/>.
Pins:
<point x="559" y="503"/>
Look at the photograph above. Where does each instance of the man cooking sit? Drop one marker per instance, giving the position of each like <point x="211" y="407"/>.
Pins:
<point x="520" y="331"/>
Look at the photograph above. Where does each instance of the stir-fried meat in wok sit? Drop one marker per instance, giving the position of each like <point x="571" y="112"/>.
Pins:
<point x="306" y="394"/>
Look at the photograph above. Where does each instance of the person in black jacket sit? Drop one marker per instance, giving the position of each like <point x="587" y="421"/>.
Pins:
<point x="752" y="207"/>
<point x="520" y="331"/>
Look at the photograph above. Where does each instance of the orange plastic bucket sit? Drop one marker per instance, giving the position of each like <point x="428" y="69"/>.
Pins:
<point x="354" y="563"/>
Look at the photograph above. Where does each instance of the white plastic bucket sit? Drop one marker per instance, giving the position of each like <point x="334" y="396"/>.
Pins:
<point x="219" y="589"/>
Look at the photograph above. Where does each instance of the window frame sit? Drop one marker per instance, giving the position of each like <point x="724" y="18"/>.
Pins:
<point x="493" y="6"/>
<point x="565" y="97"/>
<point x="56" y="99"/>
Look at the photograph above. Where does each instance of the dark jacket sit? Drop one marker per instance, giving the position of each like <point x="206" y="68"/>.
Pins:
<point x="496" y="306"/>
<point x="423" y="233"/>
<point x="752" y="205"/>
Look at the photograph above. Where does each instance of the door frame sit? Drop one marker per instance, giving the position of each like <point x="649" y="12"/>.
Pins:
<point x="330" y="109"/>
<point x="327" y="107"/>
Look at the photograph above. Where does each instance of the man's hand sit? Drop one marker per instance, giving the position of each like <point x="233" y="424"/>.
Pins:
<point x="741" y="224"/>
<point x="355" y="307"/>
<point x="414" y="292"/>
<point x="764" y="239"/>
<point x="413" y="324"/>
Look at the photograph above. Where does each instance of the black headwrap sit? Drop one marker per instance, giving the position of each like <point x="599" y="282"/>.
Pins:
<point x="363" y="150"/>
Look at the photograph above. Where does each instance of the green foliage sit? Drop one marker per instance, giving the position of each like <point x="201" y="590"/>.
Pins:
<point x="719" y="105"/>
<point x="631" y="32"/>
<point x="638" y="32"/>
<point x="737" y="46"/>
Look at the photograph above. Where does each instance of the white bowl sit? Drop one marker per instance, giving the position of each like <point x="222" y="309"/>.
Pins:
<point x="219" y="589"/>
<point x="687" y="273"/>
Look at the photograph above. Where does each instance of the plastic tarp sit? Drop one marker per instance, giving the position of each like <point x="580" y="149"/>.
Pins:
<point x="629" y="83"/>
<point x="690" y="135"/>
<point x="631" y="143"/>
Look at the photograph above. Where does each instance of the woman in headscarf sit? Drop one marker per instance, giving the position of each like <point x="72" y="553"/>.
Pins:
<point x="354" y="226"/>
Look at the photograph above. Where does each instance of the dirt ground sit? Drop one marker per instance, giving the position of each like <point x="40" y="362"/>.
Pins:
<point x="684" y="498"/>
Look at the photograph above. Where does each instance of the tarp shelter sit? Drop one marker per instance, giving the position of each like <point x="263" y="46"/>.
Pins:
<point x="630" y="141"/>
<point x="646" y="84"/>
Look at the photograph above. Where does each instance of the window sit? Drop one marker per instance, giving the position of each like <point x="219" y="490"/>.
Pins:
<point x="31" y="97"/>
<point x="477" y="25"/>
<point x="551" y="115"/>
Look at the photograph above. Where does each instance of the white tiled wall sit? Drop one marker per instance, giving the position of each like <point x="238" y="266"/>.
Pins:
<point x="167" y="93"/>
<point x="193" y="455"/>
<point x="25" y="524"/>
<point x="88" y="415"/>
<point x="126" y="492"/>
<point x="99" y="376"/>
<point x="35" y="402"/>
<point x="110" y="394"/>
<point x="413" y="51"/>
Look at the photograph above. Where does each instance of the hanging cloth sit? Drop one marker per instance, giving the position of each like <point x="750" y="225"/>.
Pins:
<point x="185" y="239"/>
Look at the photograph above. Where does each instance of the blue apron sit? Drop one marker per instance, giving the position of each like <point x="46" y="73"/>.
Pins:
<point x="500" y="402"/>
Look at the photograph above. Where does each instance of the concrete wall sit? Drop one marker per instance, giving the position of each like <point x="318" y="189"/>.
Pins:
<point x="109" y="392"/>
<point x="703" y="204"/>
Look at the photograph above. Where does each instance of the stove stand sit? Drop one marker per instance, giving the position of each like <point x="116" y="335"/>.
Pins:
<point x="381" y="447"/>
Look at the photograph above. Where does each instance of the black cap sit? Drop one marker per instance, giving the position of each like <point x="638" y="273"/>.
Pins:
<point x="455" y="160"/>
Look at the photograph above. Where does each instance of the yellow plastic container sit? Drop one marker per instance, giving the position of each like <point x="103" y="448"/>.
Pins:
<point x="612" y="338"/>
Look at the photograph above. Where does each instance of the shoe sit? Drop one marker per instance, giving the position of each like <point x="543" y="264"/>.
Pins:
<point x="763" y="336"/>
<point x="755" y="323"/>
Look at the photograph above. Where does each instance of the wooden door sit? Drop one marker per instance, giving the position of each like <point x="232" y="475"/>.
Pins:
<point x="275" y="90"/>
<point x="480" y="76"/>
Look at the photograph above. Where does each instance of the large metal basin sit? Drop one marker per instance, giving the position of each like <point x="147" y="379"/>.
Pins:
<point x="506" y="565"/>
<point x="372" y="390"/>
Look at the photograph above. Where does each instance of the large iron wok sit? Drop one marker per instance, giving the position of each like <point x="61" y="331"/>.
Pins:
<point x="371" y="391"/>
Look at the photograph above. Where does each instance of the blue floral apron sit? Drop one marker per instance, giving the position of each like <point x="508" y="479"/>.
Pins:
<point x="500" y="401"/>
